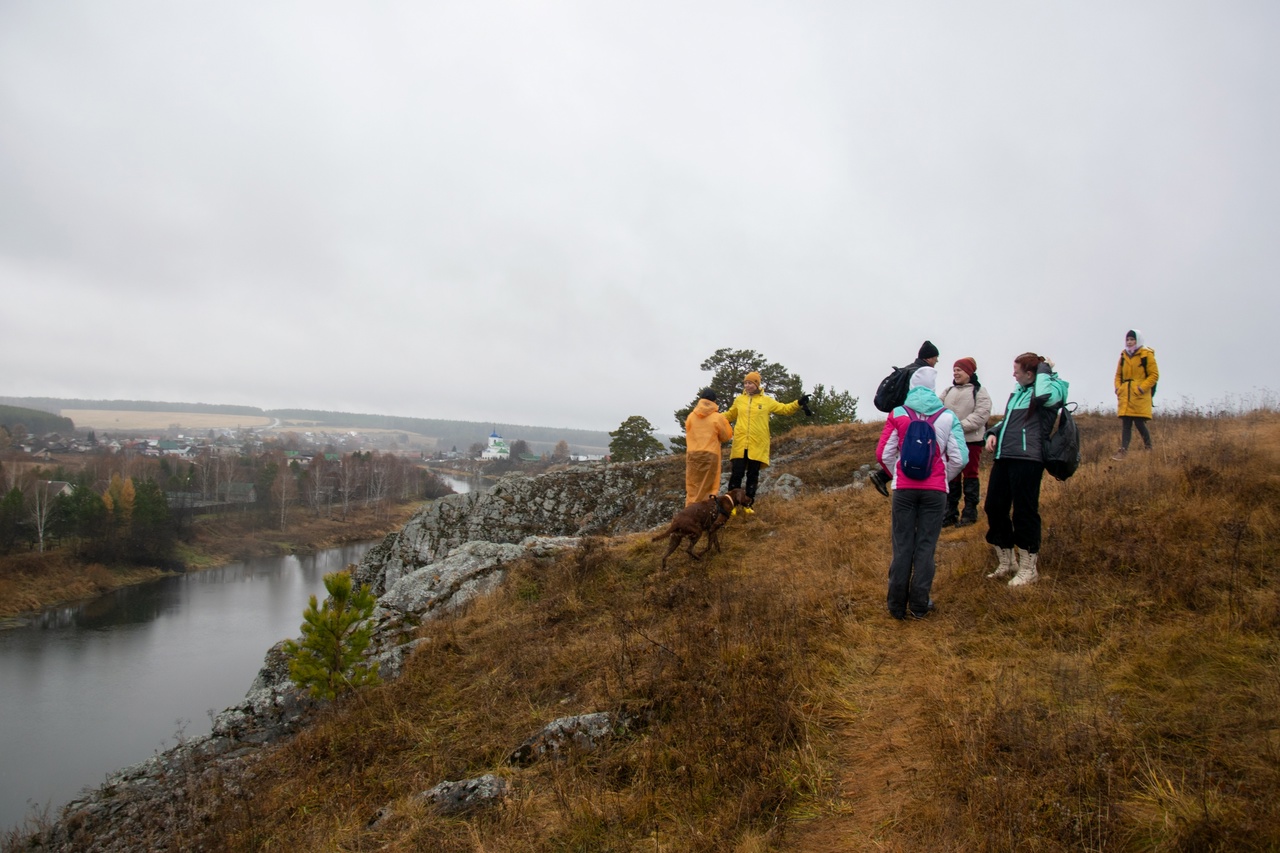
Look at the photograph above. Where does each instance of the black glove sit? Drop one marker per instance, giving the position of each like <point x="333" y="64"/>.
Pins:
<point x="804" y="404"/>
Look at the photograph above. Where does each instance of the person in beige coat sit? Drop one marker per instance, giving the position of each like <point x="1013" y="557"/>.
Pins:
<point x="972" y="406"/>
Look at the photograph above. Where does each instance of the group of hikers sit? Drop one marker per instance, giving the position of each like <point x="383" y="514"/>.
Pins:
<point x="929" y="453"/>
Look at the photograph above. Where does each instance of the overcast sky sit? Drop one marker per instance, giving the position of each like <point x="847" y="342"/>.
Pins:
<point x="551" y="213"/>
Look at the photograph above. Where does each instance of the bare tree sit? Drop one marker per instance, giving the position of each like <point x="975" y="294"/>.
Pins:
<point x="41" y="509"/>
<point x="284" y="489"/>
<point x="317" y="485"/>
<point x="379" y="482"/>
<point x="349" y="480"/>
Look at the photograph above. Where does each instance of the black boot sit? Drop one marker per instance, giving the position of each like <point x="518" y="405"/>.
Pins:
<point x="971" y="493"/>
<point x="953" y="503"/>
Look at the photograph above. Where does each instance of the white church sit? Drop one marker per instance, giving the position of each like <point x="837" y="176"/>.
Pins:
<point x="497" y="448"/>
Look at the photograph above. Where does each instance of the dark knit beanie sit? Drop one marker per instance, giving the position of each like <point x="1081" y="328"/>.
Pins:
<point x="707" y="394"/>
<point x="928" y="350"/>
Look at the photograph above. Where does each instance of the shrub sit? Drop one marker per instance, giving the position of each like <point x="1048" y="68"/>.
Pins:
<point x="330" y="659"/>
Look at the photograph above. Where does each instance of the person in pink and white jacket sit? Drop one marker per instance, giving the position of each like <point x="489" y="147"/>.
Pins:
<point x="921" y="471"/>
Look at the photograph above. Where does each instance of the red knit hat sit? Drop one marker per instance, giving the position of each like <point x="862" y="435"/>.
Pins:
<point x="967" y="364"/>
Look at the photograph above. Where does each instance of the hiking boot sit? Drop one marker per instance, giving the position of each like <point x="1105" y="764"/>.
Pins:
<point x="881" y="481"/>
<point x="953" y="503"/>
<point x="925" y="615"/>
<point x="1027" y="573"/>
<point x="1120" y="454"/>
<point x="972" y="492"/>
<point x="748" y="510"/>
<point x="1006" y="566"/>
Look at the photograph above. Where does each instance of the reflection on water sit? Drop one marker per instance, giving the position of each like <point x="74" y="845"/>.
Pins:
<point x="462" y="486"/>
<point x="89" y="689"/>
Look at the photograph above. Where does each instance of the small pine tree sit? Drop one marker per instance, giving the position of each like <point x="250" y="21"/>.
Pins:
<point x="330" y="659"/>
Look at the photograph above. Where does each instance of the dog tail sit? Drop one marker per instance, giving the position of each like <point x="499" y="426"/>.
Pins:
<point x="663" y="535"/>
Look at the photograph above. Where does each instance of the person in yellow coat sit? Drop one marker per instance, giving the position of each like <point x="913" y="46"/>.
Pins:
<point x="1136" y="378"/>
<point x="704" y="431"/>
<point x="749" y="415"/>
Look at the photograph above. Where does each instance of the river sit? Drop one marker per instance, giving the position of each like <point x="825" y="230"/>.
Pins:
<point x="90" y="689"/>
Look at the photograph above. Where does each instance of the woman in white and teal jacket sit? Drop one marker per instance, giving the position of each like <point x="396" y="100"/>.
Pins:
<point x="918" y="505"/>
<point x="1013" y="488"/>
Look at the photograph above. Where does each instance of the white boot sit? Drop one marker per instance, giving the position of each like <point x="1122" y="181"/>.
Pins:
<point x="1026" y="570"/>
<point x="1006" y="566"/>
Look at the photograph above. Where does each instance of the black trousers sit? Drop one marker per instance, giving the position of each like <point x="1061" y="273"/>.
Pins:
<point x="745" y="465"/>
<point x="1013" y="504"/>
<point x="1126" y="431"/>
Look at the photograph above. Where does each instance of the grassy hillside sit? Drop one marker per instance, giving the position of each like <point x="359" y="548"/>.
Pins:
<point x="1128" y="701"/>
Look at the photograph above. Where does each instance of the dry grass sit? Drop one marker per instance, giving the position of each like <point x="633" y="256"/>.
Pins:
<point x="1129" y="701"/>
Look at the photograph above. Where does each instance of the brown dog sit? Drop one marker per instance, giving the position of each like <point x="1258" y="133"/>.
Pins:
<point x="690" y="523"/>
<point x="740" y="498"/>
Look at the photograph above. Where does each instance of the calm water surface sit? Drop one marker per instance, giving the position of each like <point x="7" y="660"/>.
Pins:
<point x="88" y="690"/>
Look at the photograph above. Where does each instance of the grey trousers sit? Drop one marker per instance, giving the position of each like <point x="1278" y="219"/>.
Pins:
<point x="917" y="522"/>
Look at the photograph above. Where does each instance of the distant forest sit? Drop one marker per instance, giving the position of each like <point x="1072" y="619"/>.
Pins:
<point x="449" y="434"/>
<point x="35" y="421"/>
<point x="55" y="405"/>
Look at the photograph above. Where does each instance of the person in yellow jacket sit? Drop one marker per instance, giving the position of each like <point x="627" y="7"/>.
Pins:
<point x="750" y="416"/>
<point x="704" y="431"/>
<point x="1136" y="377"/>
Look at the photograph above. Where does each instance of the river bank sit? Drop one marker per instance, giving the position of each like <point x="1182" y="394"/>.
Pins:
<point x="31" y="582"/>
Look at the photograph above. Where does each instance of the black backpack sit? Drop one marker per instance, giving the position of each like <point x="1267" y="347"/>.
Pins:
<point x="893" y="388"/>
<point x="1062" y="447"/>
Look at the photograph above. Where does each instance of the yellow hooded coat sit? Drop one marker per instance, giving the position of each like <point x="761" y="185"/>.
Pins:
<point x="704" y="431"/>
<point x="749" y="415"/>
<point x="1134" y="382"/>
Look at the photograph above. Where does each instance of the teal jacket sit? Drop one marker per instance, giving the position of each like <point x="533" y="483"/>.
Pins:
<point x="1028" y="417"/>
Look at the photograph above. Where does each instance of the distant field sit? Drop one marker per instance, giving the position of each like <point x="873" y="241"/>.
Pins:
<point x="110" y="419"/>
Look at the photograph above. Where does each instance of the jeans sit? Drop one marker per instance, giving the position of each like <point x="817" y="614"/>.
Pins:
<point x="917" y="522"/>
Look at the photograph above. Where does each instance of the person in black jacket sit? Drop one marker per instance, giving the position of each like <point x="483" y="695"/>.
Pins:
<point x="1013" y="487"/>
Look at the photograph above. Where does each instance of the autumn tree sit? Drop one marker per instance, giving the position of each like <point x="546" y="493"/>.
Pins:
<point x="119" y="498"/>
<point x="633" y="441"/>
<point x="561" y="453"/>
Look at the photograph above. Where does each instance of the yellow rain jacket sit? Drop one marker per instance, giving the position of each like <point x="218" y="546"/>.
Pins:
<point x="750" y="418"/>
<point x="1134" y="382"/>
<point x="704" y="431"/>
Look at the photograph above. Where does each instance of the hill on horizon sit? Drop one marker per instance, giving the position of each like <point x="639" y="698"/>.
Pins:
<point x="447" y="433"/>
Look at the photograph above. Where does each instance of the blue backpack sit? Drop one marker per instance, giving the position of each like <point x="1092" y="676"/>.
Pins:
<point x="919" y="445"/>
